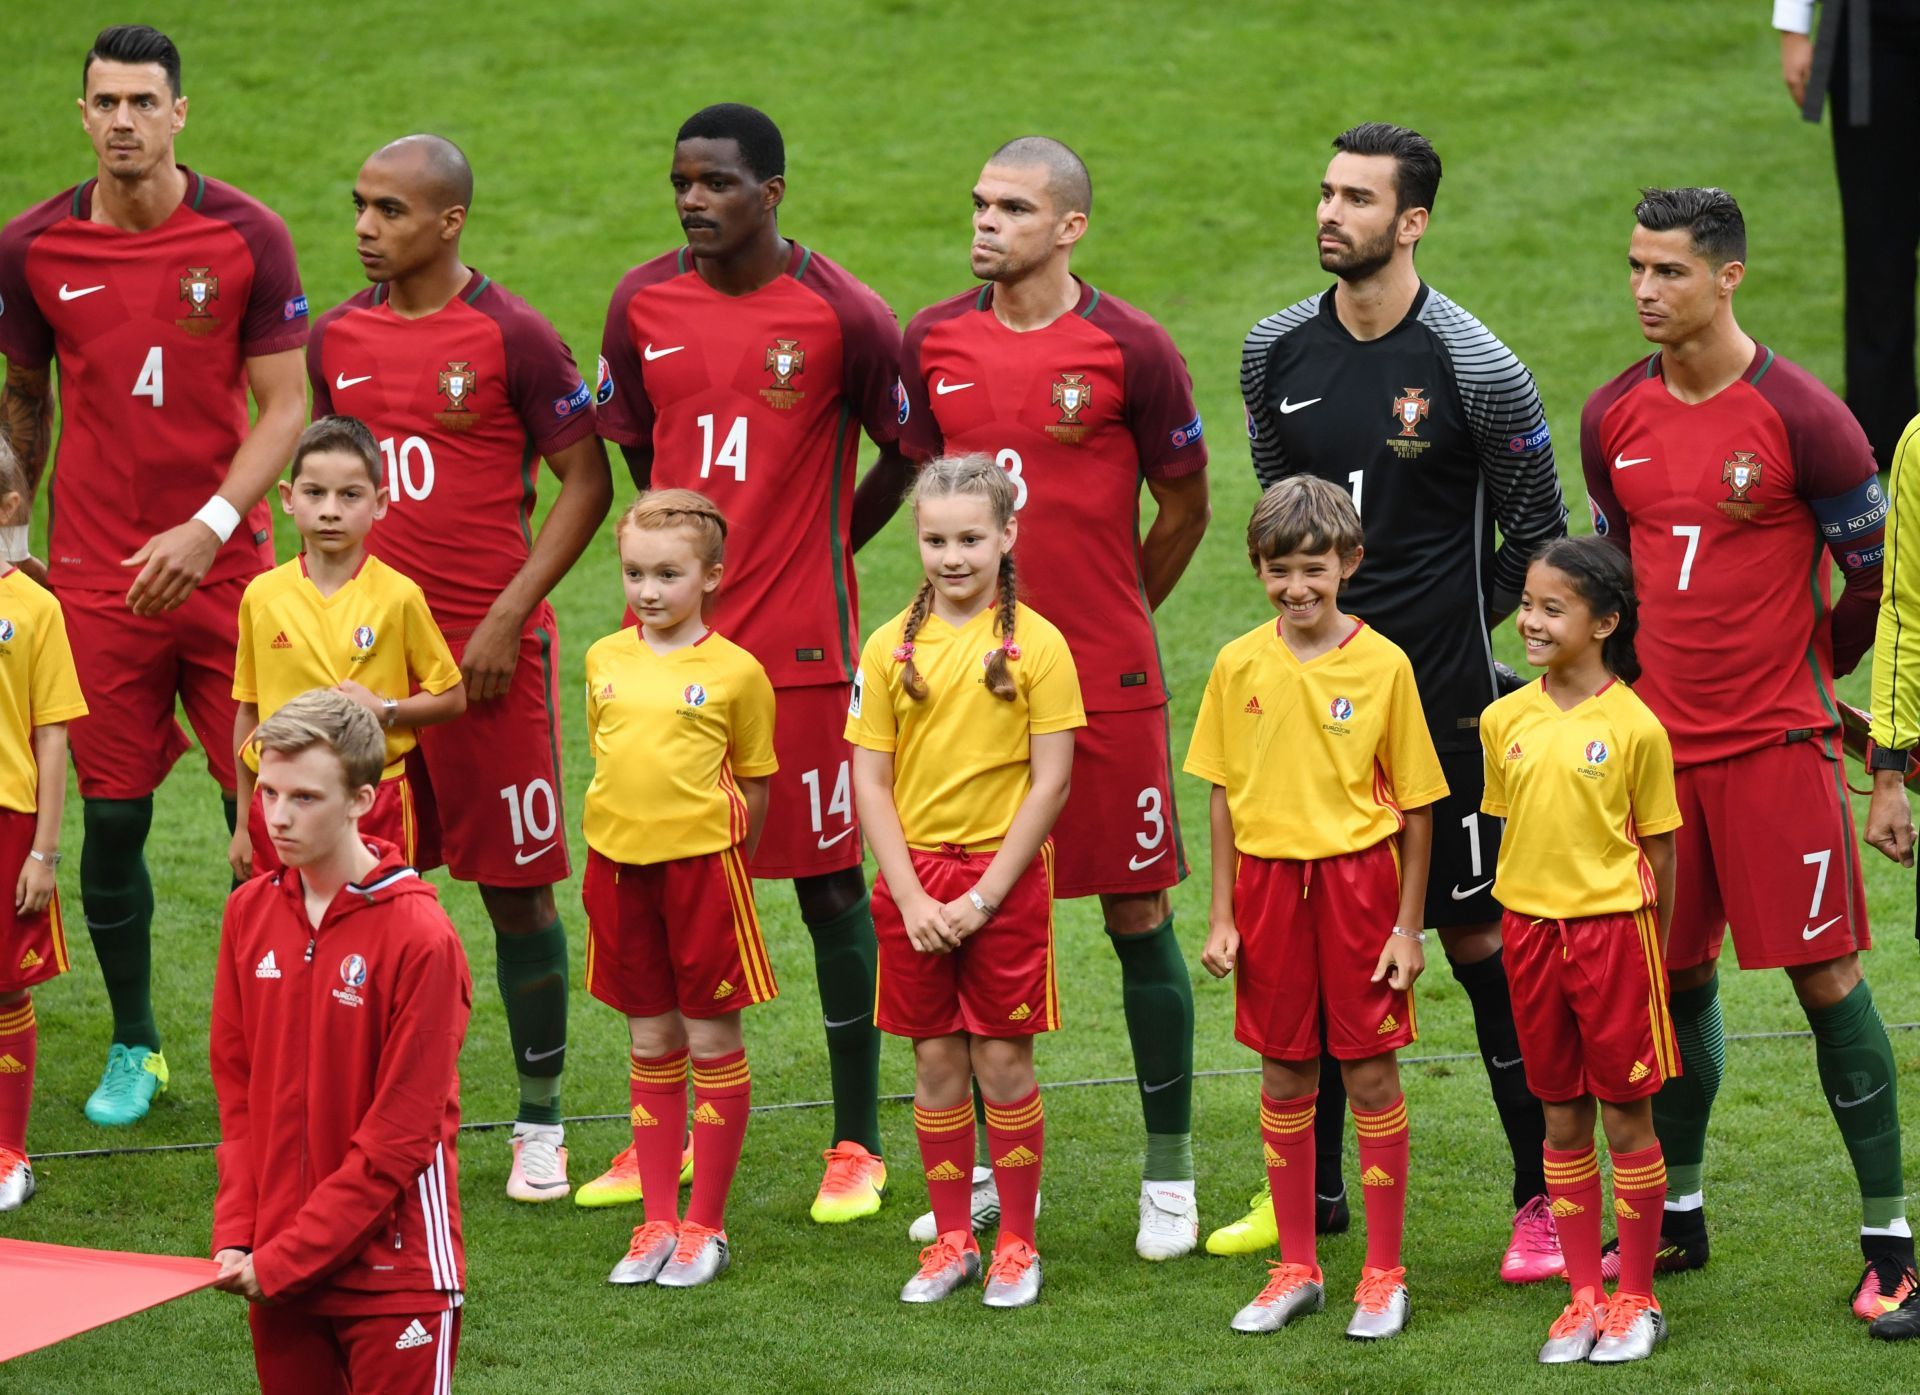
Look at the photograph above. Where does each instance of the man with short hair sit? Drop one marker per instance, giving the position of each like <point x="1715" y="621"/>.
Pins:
<point x="165" y="296"/>
<point x="745" y="365"/>
<point x="1385" y="387"/>
<point x="466" y="386"/>
<point x="1730" y="476"/>
<point x="1080" y="398"/>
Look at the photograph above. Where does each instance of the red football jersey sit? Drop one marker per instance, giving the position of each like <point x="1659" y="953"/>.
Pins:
<point x="1078" y="413"/>
<point x="464" y="402"/>
<point x="152" y="331"/>
<point x="757" y="401"/>
<point x="1729" y="509"/>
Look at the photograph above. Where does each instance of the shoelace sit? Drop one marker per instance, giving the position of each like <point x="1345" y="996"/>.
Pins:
<point x="1536" y="1227"/>
<point x="1164" y="1222"/>
<point x="1623" y="1310"/>
<point x="122" y="1074"/>
<point x="646" y="1237"/>
<point x="1263" y="1197"/>
<point x="846" y="1167"/>
<point x="539" y="1157"/>
<point x="937" y="1257"/>
<point x="1887" y="1275"/>
<point x="692" y="1237"/>
<point x="1010" y="1262"/>
<point x="1283" y="1279"/>
<point x="1377" y="1286"/>
<point x="1582" y="1310"/>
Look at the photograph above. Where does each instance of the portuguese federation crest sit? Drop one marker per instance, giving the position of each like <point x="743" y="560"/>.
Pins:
<point x="785" y="358"/>
<point x="199" y="289"/>
<point x="1410" y="409"/>
<point x="457" y="384"/>
<point x="1072" y="394"/>
<point x="1740" y="472"/>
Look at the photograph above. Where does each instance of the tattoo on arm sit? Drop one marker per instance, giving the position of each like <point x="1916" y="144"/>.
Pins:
<point x="26" y="415"/>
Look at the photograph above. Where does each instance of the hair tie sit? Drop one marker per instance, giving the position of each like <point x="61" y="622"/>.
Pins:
<point x="903" y="653"/>
<point x="1010" y="649"/>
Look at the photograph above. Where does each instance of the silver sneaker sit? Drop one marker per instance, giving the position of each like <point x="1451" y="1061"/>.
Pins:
<point x="1290" y="1292"/>
<point x="653" y="1245"/>
<point x="986" y="1210"/>
<point x="1634" y="1327"/>
<point x="700" y="1257"/>
<point x="1379" y="1305"/>
<point x="16" y="1181"/>
<point x="1013" y="1279"/>
<point x="1573" y="1333"/>
<point x="945" y="1265"/>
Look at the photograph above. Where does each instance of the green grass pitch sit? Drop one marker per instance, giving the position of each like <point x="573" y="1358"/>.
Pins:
<point x="1207" y="133"/>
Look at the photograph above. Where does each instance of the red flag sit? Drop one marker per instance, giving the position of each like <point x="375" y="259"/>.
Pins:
<point x="58" y="1291"/>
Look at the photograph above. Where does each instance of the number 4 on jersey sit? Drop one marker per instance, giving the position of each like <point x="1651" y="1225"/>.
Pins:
<point x="152" y="382"/>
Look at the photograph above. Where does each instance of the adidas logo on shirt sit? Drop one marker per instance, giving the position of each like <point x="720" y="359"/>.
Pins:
<point x="30" y="960"/>
<point x="1389" y="1023"/>
<point x="607" y="691"/>
<point x="1624" y="1211"/>
<point x="1020" y="1014"/>
<point x="1638" y="1073"/>
<point x="707" y="1114"/>
<point x="642" y="1119"/>
<point x="280" y="641"/>
<point x="1253" y="708"/>
<point x="1513" y="751"/>
<point x="945" y="1172"/>
<point x="414" y="1336"/>
<point x="267" y="968"/>
<point x="9" y="1066"/>
<point x="725" y="990"/>
<point x="1376" y="1176"/>
<point x="1021" y="1156"/>
<point x="1563" y="1206"/>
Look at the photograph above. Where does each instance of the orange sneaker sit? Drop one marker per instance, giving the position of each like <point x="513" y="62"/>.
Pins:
<point x="1883" y="1287"/>
<point x="1290" y="1291"/>
<point x="653" y="1245"/>
<point x="855" y="1183"/>
<point x="1013" y="1279"/>
<point x="619" y="1185"/>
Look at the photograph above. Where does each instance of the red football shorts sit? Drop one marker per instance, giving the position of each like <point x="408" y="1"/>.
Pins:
<point x="810" y="826"/>
<point x="679" y="935"/>
<point x="1120" y="833"/>
<point x="133" y="667"/>
<point x="33" y="948"/>
<point x="407" y="1353"/>
<point x="390" y="820"/>
<point x="1590" y="1005"/>
<point x="486" y="788"/>
<point x="1767" y="845"/>
<point x="999" y="983"/>
<point x="1310" y="934"/>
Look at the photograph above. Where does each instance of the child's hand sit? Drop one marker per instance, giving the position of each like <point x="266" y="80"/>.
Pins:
<point x="34" y="889"/>
<point x="1401" y="962"/>
<point x="236" y="1276"/>
<point x="1223" y="949"/>
<point x="961" y="918"/>
<point x="366" y="697"/>
<point x="240" y="850"/>
<point x="927" y="928"/>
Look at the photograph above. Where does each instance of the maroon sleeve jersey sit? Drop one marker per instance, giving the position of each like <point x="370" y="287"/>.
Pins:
<point x="1078" y="413"/>
<point x="758" y="402"/>
<point x="1730" y="509"/>
<point x="152" y="331"/>
<point x="464" y="403"/>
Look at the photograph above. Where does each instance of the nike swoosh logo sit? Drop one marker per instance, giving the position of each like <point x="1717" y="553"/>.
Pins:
<point x="1460" y="895"/>
<point x="533" y="1055"/>
<point x="650" y="353"/>
<point x="341" y="382"/>
<point x="543" y="1186"/>
<point x="1849" y="1104"/>
<point x="830" y="1024"/>
<point x="943" y="387"/>
<point x="66" y="294"/>
<point x="1287" y="408"/>
<point x="829" y="842"/>
<point x="522" y="859"/>
<point x="1620" y="462"/>
<point x="1499" y="1064"/>
<point x="1808" y="932"/>
<point x="1147" y="1089"/>
<point x="1134" y="864"/>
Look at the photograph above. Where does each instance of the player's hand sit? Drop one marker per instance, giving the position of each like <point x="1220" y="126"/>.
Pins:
<point x="488" y="661"/>
<point x="365" y="696"/>
<point x="1889" y="820"/>
<point x="171" y="565"/>
<point x="961" y="918"/>
<point x="240" y="850"/>
<point x="1401" y="962"/>
<point x="236" y="1276"/>
<point x="1796" y="64"/>
<point x="1223" y="949"/>
<point x="927" y="929"/>
<point x="34" y="889"/>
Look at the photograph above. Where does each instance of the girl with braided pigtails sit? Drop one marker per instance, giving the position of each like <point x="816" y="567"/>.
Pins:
<point x="963" y="718"/>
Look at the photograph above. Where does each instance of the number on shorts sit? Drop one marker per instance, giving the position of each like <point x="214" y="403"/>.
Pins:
<point x="409" y="468"/>
<point x="1823" y="857"/>
<point x="1472" y="824"/>
<point x="839" y="803"/>
<point x="152" y="382"/>
<point x="1691" y="532"/>
<point x="1009" y="460"/>
<point x="1153" y="815"/>
<point x="534" y="811"/>
<point x="733" y="450"/>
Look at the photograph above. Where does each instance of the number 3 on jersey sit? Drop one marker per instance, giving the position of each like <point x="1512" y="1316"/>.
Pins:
<point x="1009" y="460"/>
<point x="733" y="448"/>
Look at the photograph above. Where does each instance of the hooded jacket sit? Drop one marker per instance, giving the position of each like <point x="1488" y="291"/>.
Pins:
<point x="333" y="1051"/>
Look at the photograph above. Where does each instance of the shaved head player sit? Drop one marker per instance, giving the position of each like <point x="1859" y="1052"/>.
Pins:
<point x="165" y="296"/>
<point x="466" y="386"/>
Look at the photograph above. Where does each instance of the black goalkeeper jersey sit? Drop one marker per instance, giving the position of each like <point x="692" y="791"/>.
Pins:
<point x="1435" y="429"/>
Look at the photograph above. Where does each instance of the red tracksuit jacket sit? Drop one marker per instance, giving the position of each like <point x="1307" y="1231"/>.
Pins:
<point x="334" y="1056"/>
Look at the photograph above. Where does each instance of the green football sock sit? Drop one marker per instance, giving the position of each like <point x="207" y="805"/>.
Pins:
<point x="230" y="810"/>
<point x="844" y="954"/>
<point x="1857" y="1072"/>
<point x="532" y="971"/>
<point x="1681" y="1109"/>
<point x="1156" y="993"/>
<point x="116" y="898"/>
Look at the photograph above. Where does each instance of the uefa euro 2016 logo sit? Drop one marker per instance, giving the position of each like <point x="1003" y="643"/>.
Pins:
<point x="363" y="638"/>
<point x="353" y="971"/>
<point x="1341" y="709"/>
<point x="695" y="695"/>
<point x="6" y="631"/>
<point x="1596" y="752"/>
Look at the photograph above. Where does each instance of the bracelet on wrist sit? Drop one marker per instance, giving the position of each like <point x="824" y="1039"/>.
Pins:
<point x="982" y="905"/>
<point x="1419" y="937"/>
<point x="52" y="859"/>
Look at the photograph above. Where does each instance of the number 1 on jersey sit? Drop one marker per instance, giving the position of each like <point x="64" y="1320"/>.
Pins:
<point x="733" y="450"/>
<point x="1357" y="479"/>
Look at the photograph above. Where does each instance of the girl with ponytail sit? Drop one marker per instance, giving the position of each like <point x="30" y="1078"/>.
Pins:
<point x="963" y="718"/>
<point x="1583" y="773"/>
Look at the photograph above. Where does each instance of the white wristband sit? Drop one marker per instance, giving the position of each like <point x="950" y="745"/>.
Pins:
<point x="220" y="516"/>
<point x="13" y="543"/>
<point x="1419" y="937"/>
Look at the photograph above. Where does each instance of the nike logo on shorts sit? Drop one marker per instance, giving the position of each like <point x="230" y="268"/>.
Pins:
<point x="1135" y="864"/>
<point x="826" y="842"/>
<point x="1460" y="895"/>
<point x="1812" y="931"/>
<point x="522" y="859"/>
